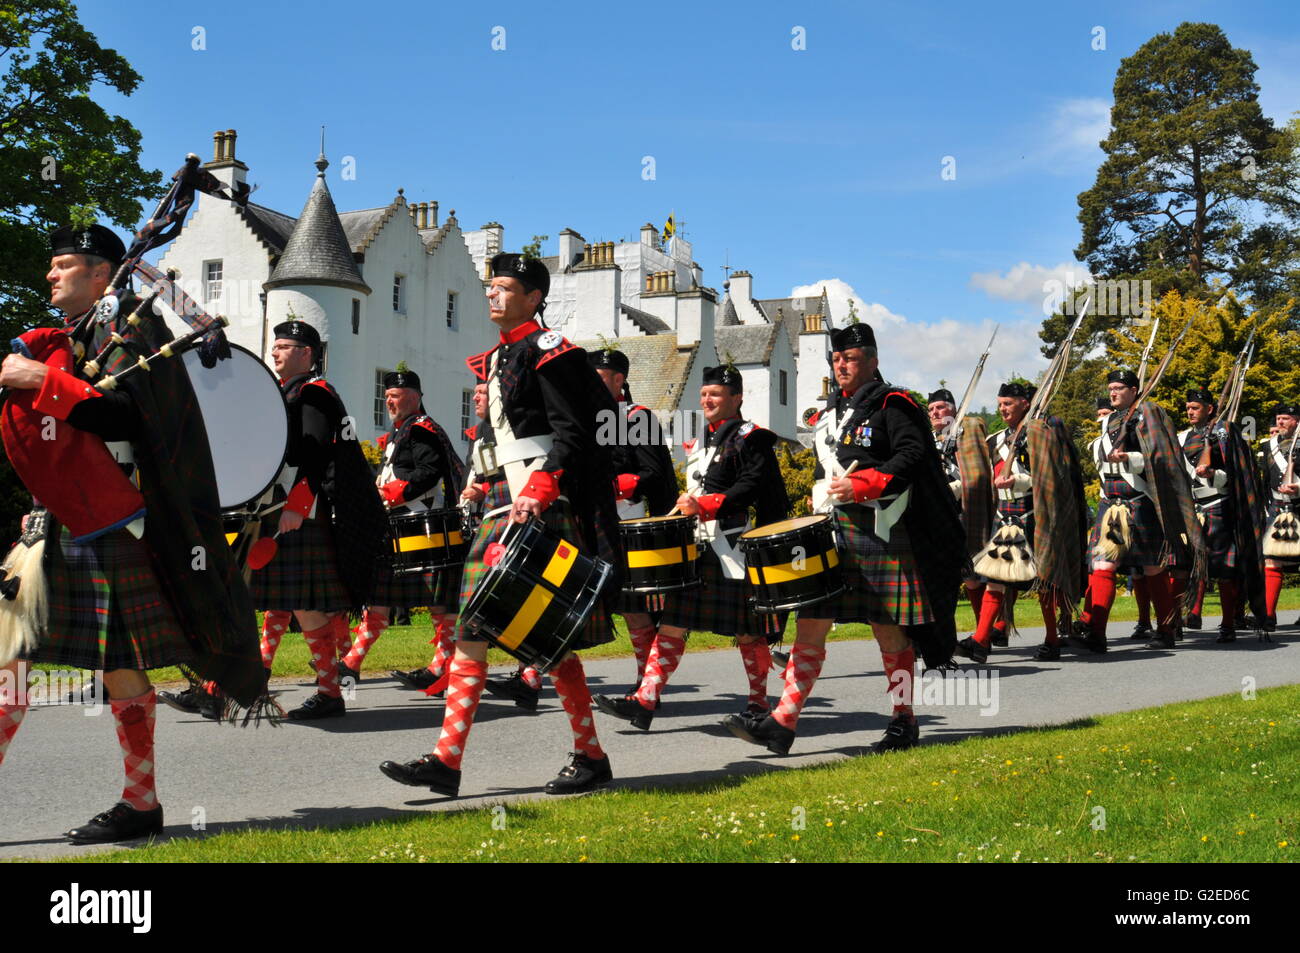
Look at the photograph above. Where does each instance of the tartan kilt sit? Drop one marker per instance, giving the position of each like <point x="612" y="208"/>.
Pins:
<point x="1148" y="536"/>
<point x="882" y="580"/>
<point x="304" y="573"/>
<point x="632" y="602"/>
<point x="1220" y="540"/>
<point x="106" y="607"/>
<point x="430" y="589"/>
<point x="720" y="605"/>
<point x="599" y="628"/>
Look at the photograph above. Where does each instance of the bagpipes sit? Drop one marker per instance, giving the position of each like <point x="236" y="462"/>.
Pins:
<point x="80" y="483"/>
<point x="1009" y="558"/>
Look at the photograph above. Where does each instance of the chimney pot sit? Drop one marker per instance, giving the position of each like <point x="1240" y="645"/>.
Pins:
<point x="216" y="145"/>
<point x="230" y="143"/>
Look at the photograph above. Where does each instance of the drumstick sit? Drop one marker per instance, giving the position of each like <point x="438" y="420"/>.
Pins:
<point x="677" y="509"/>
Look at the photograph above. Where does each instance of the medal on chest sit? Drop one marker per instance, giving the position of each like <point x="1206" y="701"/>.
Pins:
<point x="859" y="436"/>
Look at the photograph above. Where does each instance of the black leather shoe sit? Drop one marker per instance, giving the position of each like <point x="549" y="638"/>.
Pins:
<point x="780" y="660"/>
<point x="627" y="708"/>
<point x="1193" y="621"/>
<point x="428" y="771"/>
<point x="1226" y="635"/>
<point x="1141" y="631"/>
<point x="319" y="706"/>
<point x="515" y="689"/>
<point x="1048" y="652"/>
<point x="119" y="822"/>
<point x="767" y="732"/>
<point x="969" y="648"/>
<point x="580" y="775"/>
<point x="417" y="678"/>
<point x="902" y="733"/>
<point x="750" y="717"/>
<point x="212" y="706"/>
<point x="1000" y="638"/>
<point x="346" y="673"/>
<point x="1162" y="640"/>
<point x="186" y="701"/>
<point x="1083" y="636"/>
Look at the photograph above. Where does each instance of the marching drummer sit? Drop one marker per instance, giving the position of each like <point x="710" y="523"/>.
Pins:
<point x="877" y="470"/>
<point x="731" y="469"/>
<point x="543" y="406"/>
<point x="420" y="472"/>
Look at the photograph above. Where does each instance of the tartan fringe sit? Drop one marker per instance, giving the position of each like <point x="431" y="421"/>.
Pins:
<point x="265" y="709"/>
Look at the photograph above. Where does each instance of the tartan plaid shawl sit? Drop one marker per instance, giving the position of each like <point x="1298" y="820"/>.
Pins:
<point x="1247" y="511"/>
<point x="1060" y="516"/>
<point x="179" y="485"/>
<point x="1170" y="490"/>
<point x="977" y="503"/>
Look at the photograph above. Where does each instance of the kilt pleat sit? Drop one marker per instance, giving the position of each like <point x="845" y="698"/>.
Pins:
<point x="720" y="605"/>
<point x="882" y="581"/>
<point x="304" y="573"/>
<point x="106" y="607"/>
<point x="1220" y="541"/>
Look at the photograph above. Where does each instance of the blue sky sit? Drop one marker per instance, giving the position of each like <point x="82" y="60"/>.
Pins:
<point x="806" y="167"/>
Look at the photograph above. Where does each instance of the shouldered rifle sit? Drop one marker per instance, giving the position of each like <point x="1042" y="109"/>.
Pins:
<point x="950" y="438"/>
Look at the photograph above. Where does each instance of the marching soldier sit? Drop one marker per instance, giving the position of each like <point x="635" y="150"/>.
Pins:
<point x="1280" y="464"/>
<point x="129" y="498"/>
<point x="731" y="468"/>
<point x="904" y="554"/>
<point x="1146" y="506"/>
<point x="543" y="405"/>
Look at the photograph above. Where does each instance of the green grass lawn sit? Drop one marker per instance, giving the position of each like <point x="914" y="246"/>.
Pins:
<point x="1211" y="780"/>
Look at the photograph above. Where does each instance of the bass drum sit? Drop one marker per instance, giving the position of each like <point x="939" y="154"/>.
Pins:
<point x="246" y="420"/>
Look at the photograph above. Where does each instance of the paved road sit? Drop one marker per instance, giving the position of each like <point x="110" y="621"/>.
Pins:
<point x="63" y="767"/>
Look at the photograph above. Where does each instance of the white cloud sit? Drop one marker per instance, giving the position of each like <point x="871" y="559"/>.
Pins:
<point x="1032" y="283"/>
<point x="919" y="354"/>
<point x="1079" y="124"/>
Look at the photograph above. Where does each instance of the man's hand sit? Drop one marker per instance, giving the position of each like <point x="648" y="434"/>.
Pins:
<point x="1005" y="482"/>
<point x="471" y="494"/>
<point x="842" y="489"/>
<point x="1290" y="489"/>
<point x="687" y="506"/>
<point x="1204" y="471"/>
<point x="525" y="507"/>
<point x="290" y="521"/>
<point x="1117" y="456"/>
<point x="22" y="373"/>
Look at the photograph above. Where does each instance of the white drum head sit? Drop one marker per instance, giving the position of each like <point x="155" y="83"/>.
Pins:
<point x="246" y="420"/>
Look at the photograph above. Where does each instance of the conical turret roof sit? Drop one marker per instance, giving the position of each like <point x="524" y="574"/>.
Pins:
<point x="318" y="252"/>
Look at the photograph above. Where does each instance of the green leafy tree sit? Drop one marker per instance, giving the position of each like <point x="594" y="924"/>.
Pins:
<point x="1198" y="185"/>
<point x="62" y="157"/>
<point x="797" y="468"/>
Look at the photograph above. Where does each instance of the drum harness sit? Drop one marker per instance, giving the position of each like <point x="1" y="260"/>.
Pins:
<point x="829" y="433"/>
<point x="709" y="531"/>
<point x="430" y="499"/>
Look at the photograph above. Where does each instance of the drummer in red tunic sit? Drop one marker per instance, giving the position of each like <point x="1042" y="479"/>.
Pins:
<point x="544" y="402"/>
<point x="905" y="551"/>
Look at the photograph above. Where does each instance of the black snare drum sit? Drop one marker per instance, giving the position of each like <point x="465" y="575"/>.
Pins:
<point x="662" y="555"/>
<point x="534" y="602"/>
<point x="426" y="541"/>
<point x="792" y="564"/>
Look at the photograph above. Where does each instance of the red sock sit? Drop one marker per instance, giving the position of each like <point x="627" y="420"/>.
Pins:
<point x="1272" y="589"/>
<point x="990" y="610"/>
<point x="976" y="596"/>
<point x="532" y="678"/>
<point x="1101" y="594"/>
<point x="1085" y="614"/>
<point x="1178" y="590"/>
<point x="11" y="716"/>
<point x="571" y="686"/>
<point x="464" y="689"/>
<point x="274" y="624"/>
<point x="1047" y="603"/>
<point x="444" y="647"/>
<point x="1228" y="601"/>
<point x="664" y="656"/>
<point x="1161" y="588"/>
<point x="343" y="637"/>
<point x="899" y="670"/>
<point x="135" y="718"/>
<point x="757" y="657"/>
<point x="1200" y="596"/>
<point x="642" y="641"/>
<point x="800" y="675"/>
<point x="1143" y="595"/>
<point x="372" y="627"/>
<point x="320" y="642"/>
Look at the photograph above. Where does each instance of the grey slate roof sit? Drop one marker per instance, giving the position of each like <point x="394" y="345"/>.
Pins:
<point x="360" y="225"/>
<point x="271" y="227"/>
<point x="659" y="369"/>
<point x="747" y="344"/>
<point x="728" y="317"/>
<point x="648" y="323"/>
<point x="318" y="251"/>
<point x="784" y="310"/>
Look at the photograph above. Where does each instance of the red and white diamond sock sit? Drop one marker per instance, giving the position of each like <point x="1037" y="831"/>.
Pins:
<point x="757" y="657"/>
<point x="800" y="675"/>
<point x="990" y="612"/>
<point x="664" y="656"/>
<point x="372" y="627"/>
<point x="11" y="716"/>
<point x="532" y="678"/>
<point x="900" y="668"/>
<point x="444" y="647"/>
<point x="343" y="637"/>
<point x="320" y="642"/>
<point x="464" y="689"/>
<point x="571" y="686"/>
<point x="642" y="642"/>
<point x="1101" y="593"/>
<point x="274" y="625"/>
<point x="1272" y="590"/>
<point x="135" y="719"/>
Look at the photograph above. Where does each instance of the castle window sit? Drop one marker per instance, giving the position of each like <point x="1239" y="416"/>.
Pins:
<point x="399" y="293"/>
<point x="212" y="271"/>
<point x="356" y="315"/>
<point x="466" y="412"/>
<point x="381" y="411"/>
<point x="451" y="310"/>
<point x="784" y="387"/>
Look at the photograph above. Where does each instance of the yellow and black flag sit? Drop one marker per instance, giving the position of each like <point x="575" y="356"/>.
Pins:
<point x="670" y="227"/>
